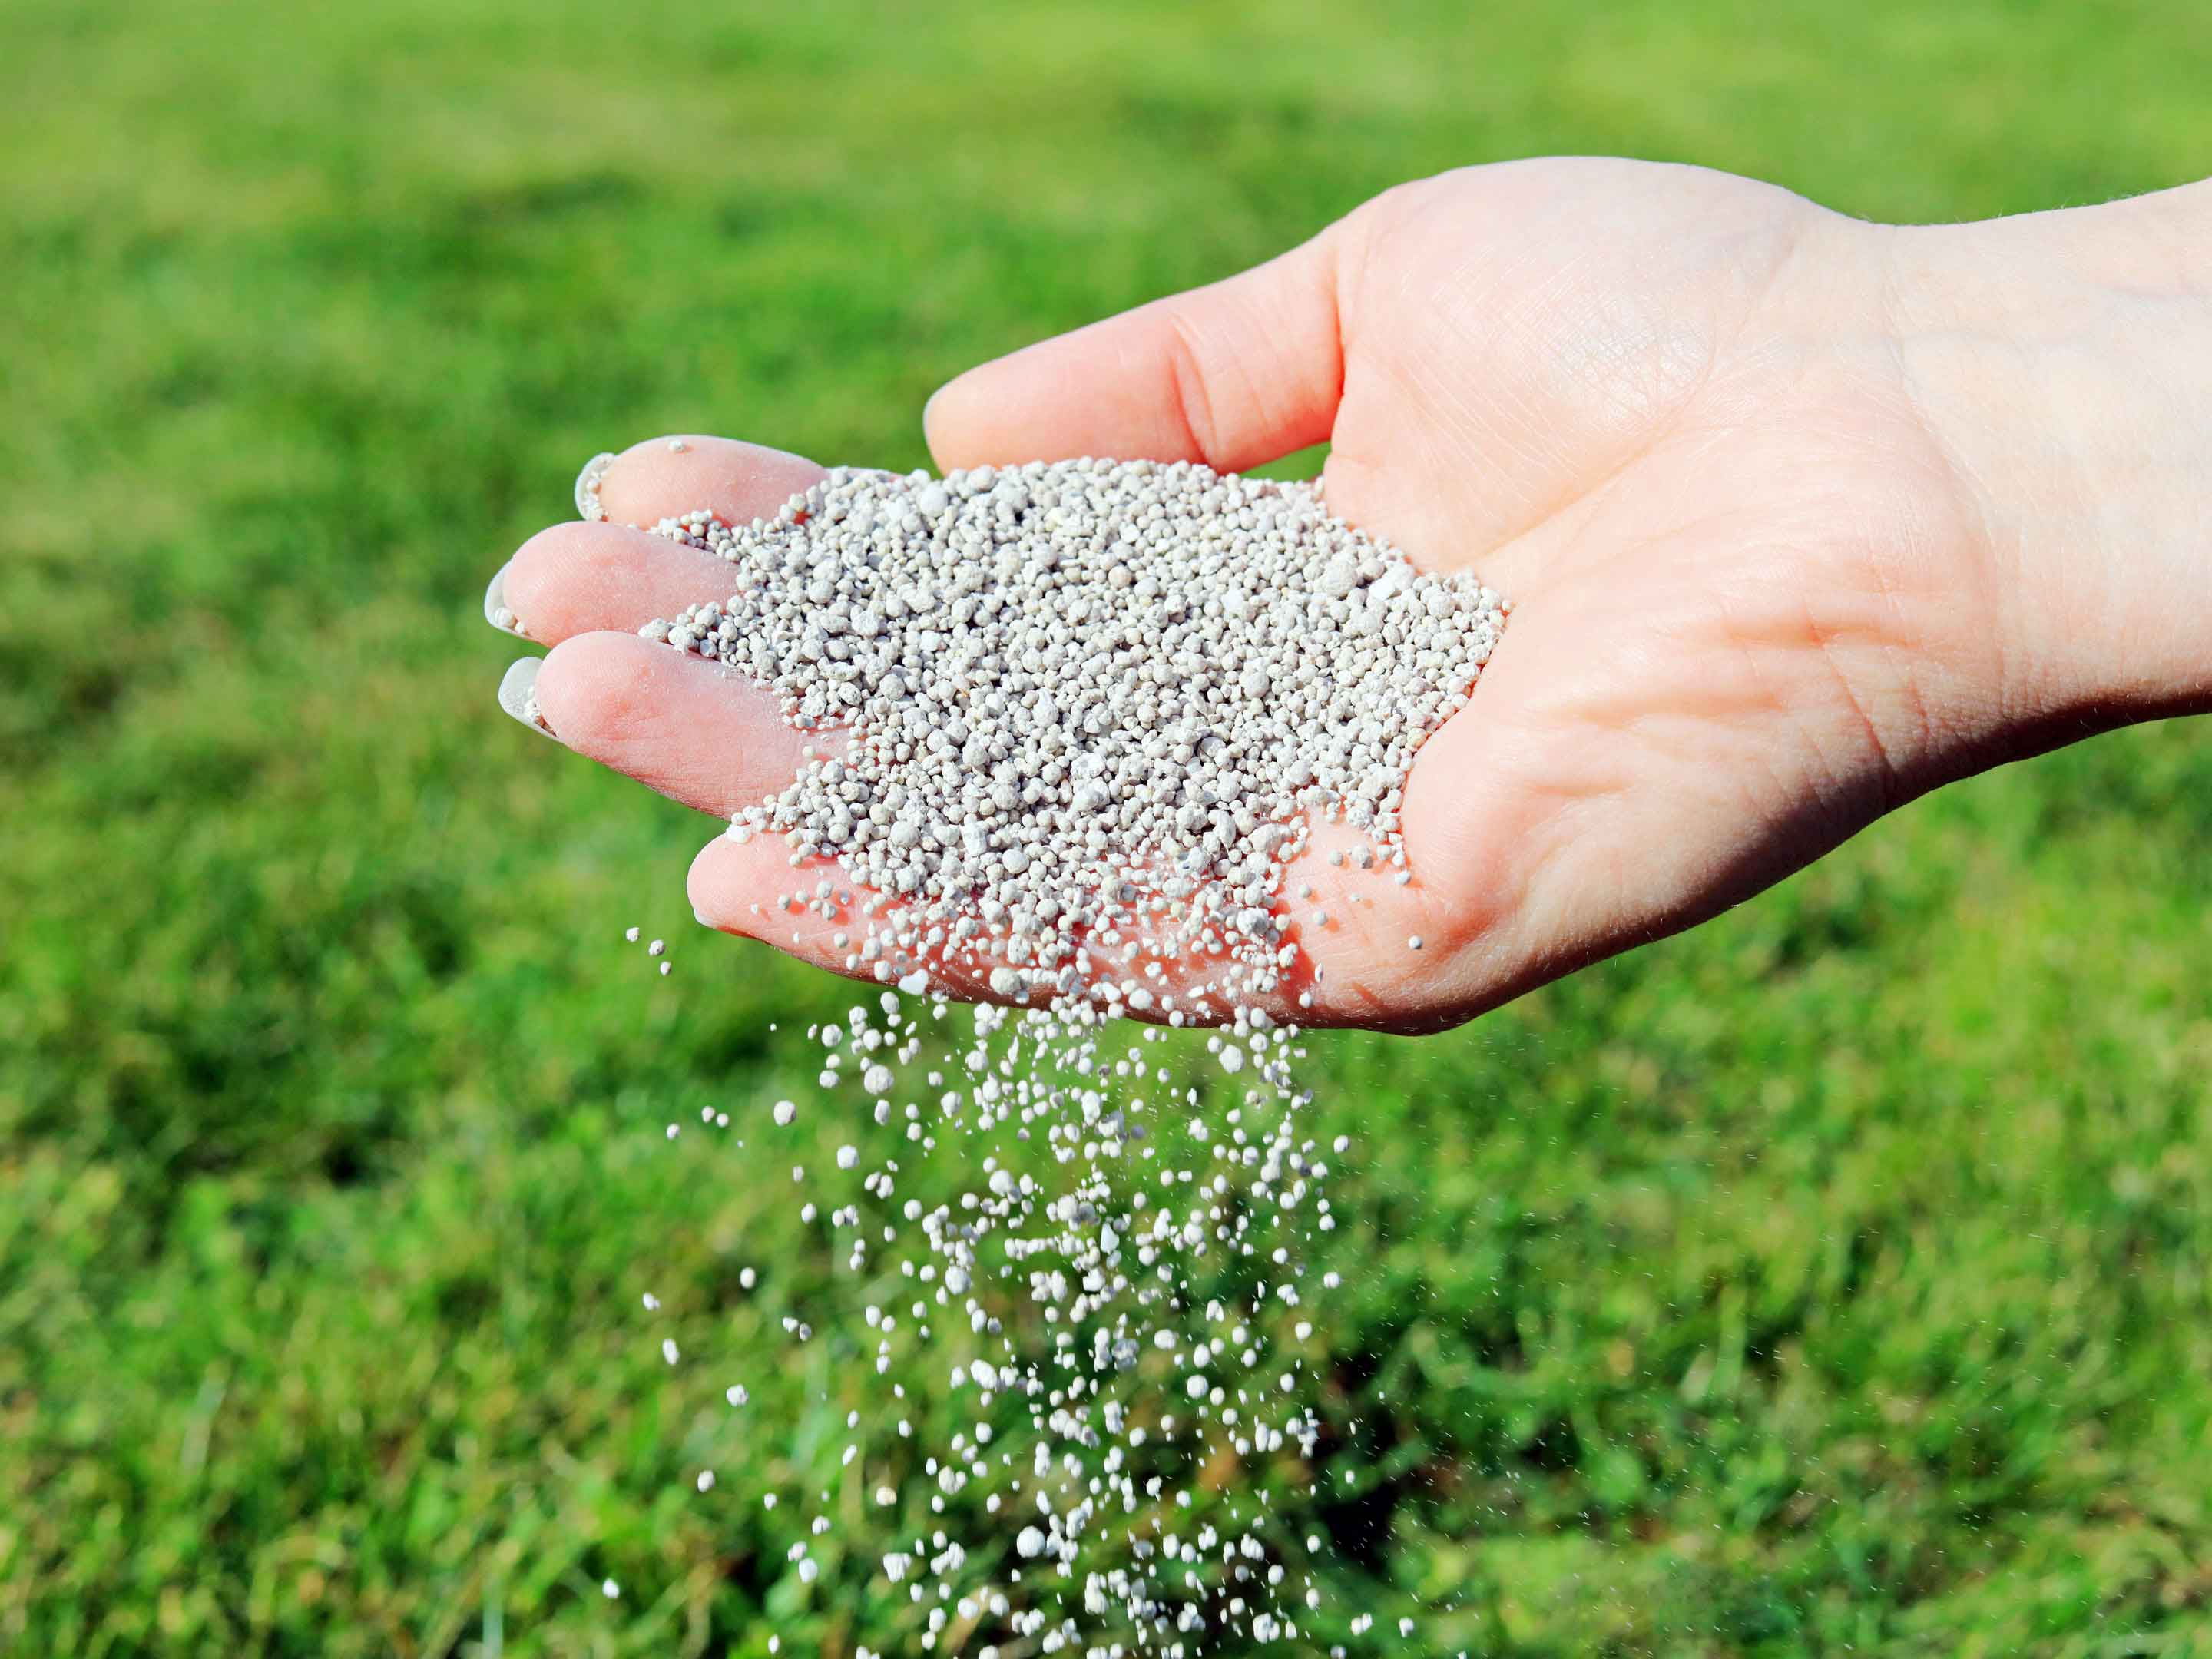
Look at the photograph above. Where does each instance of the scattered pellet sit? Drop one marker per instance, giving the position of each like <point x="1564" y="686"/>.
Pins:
<point x="1074" y="721"/>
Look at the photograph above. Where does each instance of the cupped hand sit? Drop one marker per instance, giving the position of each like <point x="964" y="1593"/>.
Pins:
<point x="1675" y="415"/>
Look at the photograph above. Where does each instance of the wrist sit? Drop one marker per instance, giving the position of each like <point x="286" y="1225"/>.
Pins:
<point x="2063" y="361"/>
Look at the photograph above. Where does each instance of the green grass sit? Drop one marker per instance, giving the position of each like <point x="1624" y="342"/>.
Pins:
<point x="1834" y="1280"/>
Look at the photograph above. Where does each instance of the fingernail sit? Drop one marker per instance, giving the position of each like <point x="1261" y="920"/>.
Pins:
<point x="517" y="694"/>
<point x="495" y="606"/>
<point x="588" y="488"/>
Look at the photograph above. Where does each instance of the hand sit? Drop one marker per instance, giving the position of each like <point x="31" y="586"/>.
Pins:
<point x="1792" y="532"/>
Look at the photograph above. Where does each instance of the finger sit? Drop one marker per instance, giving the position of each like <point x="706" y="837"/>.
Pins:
<point x="677" y="723"/>
<point x="576" y="579"/>
<point x="586" y="578"/>
<point x="814" y="911"/>
<point x="1353" y="965"/>
<point x="1233" y="375"/>
<point x="663" y="478"/>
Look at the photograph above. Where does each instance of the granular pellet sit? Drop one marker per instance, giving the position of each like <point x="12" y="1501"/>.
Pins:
<point x="1075" y="720"/>
<point x="1085" y="705"/>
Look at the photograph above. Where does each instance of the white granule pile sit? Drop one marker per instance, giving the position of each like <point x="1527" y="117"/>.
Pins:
<point x="1084" y="700"/>
<point x="1074" y="720"/>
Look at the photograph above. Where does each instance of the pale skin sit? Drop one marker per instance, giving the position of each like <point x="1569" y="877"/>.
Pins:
<point x="1801" y="517"/>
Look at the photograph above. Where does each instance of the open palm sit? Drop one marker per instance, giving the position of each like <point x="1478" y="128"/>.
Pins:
<point x="1661" y="409"/>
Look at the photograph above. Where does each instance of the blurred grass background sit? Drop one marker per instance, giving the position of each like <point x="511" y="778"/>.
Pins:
<point x="1832" y="1280"/>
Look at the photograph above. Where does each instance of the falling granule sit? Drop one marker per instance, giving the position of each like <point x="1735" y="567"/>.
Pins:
<point x="609" y="1588"/>
<point x="1091" y="711"/>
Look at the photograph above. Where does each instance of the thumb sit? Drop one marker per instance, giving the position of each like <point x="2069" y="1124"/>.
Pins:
<point x="1233" y="374"/>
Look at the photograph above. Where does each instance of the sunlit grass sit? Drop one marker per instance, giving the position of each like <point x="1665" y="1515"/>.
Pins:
<point x="1834" y="1277"/>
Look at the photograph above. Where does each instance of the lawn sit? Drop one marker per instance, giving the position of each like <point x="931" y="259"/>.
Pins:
<point x="1833" y="1279"/>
